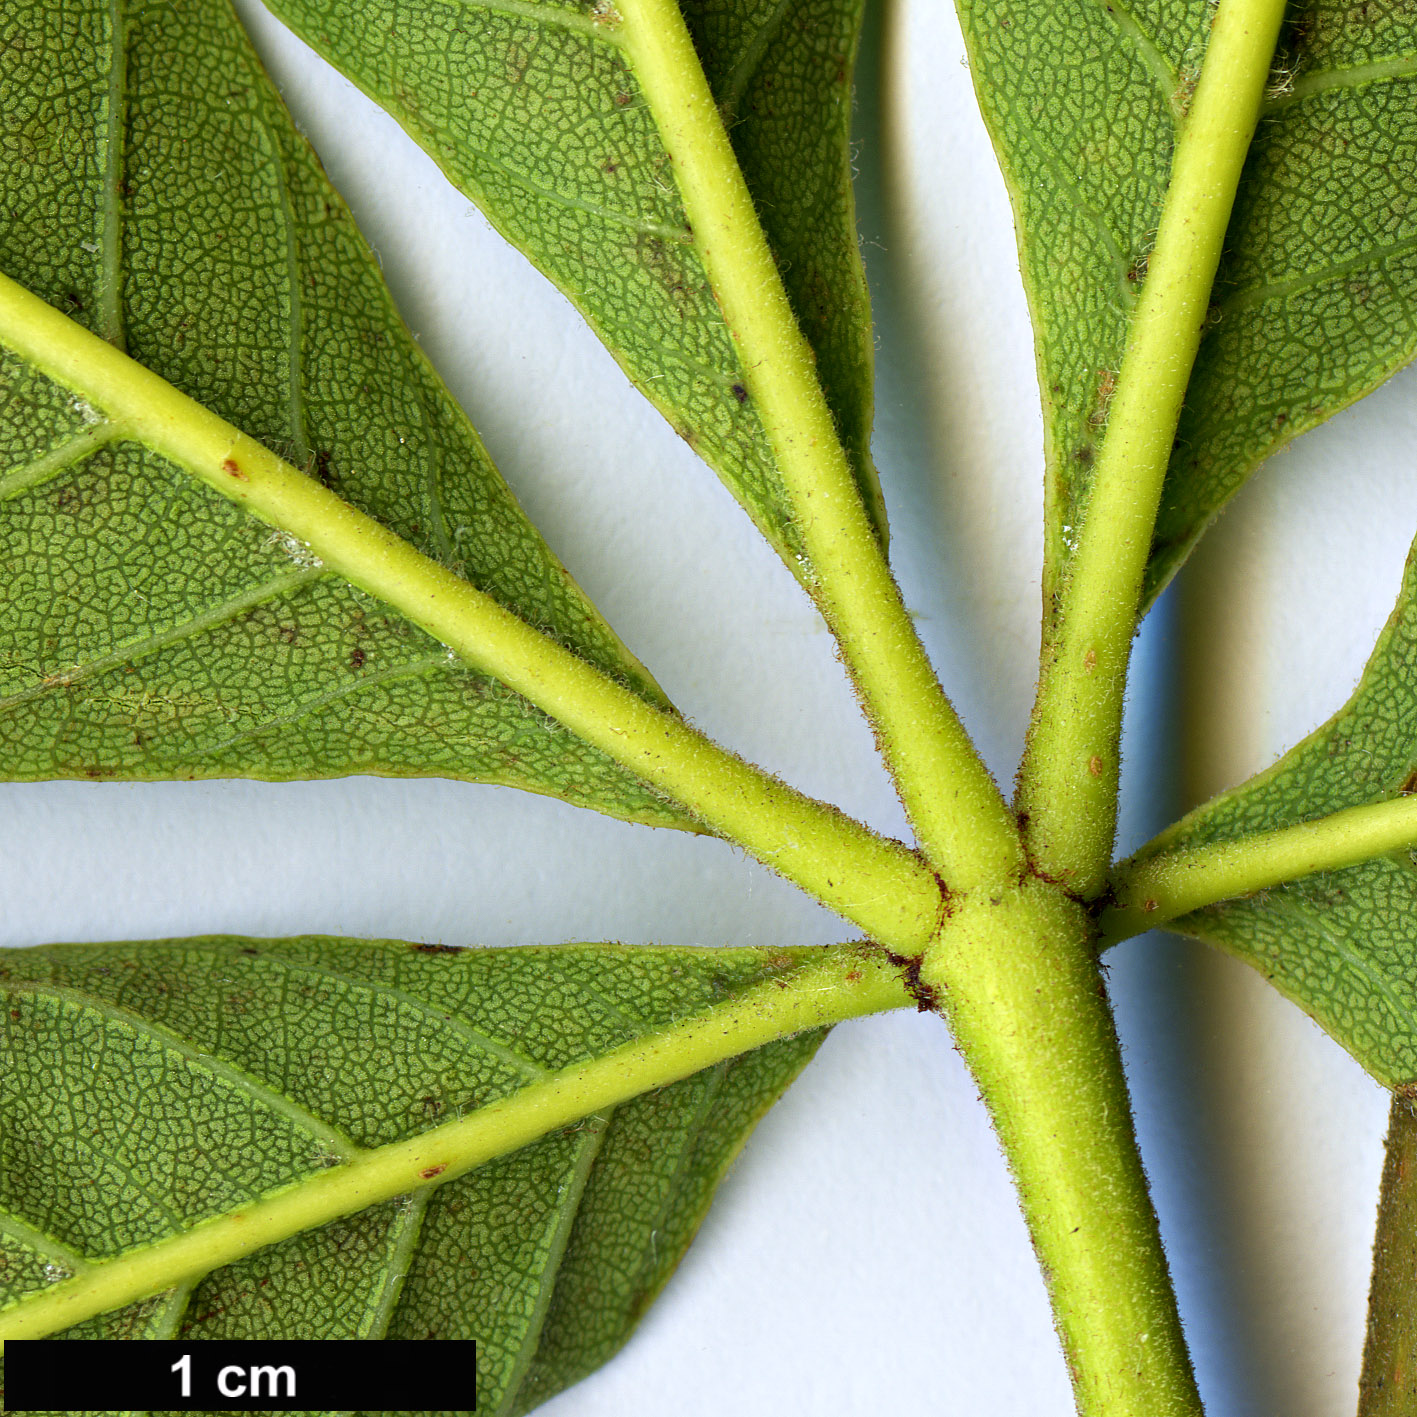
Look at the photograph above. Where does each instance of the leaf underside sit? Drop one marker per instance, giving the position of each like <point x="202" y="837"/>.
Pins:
<point x="1388" y="1386"/>
<point x="145" y="1088"/>
<point x="1340" y="943"/>
<point x="1314" y="305"/>
<point x="532" y="111"/>
<point x="155" y="189"/>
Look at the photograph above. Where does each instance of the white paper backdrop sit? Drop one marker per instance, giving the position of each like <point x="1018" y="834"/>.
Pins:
<point x="865" y="1256"/>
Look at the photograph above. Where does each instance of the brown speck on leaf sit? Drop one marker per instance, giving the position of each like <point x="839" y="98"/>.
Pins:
<point x="1106" y="386"/>
<point x="232" y="468"/>
<point x="429" y="1172"/>
<point x="1149" y="906"/>
<point x="1094" y="765"/>
<point x="740" y="393"/>
<point x="436" y="949"/>
<point x="357" y="658"/>
<point x="1089" y="661"/>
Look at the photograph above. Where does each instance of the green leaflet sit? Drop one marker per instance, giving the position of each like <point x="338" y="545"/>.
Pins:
<point x="156" y="190"/>
<point x="1340" y="943"/>
<point x="146" y="1089"/>
<point x="531" y="109"/>
<point x="1313" y="305"/>
<point x="1388" y="1387"/>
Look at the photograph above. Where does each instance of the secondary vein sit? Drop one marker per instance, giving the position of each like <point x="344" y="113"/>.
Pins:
<point x="41" y="1243"/>
<point x="528" y="1068"/>
<point x="331" y="1138"/>
<point x="1397" y="66"/>
<point x="1250" y="296"/>
<point x="748" y="62"/>
<point x="135" y="650"/>
<point x="568" y="1207"/>
<point x="295" y="302"/>
<point x="110" y="293"/>
<point x="1149" y="52"/>
<point x="840" y="983"/>
<point x="50" y="465"/>
<point x="406" y="1231"/>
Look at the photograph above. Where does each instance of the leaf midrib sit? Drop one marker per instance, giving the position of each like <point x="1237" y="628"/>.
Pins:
<point x="839" y="983"/>
<point x="879" y="884"/>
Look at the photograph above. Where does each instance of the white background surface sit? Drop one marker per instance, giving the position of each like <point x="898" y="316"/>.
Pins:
<point x="865" y="1256"/>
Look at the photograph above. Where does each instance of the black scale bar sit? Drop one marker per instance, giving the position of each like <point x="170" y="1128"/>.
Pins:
<point x="229" y="1375"/>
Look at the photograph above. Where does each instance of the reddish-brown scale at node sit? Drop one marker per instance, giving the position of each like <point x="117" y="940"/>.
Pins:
<point x="926" y="996"/>
<point x="232" y="468"/>
<point x="429" y="1172"/>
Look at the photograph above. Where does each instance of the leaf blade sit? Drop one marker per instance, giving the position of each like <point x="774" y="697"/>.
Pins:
<point x="1082" y="102"/>
<point x="265" y="302"/>
<point x="372" y="1039"/>
<point x="533" y="112"/>
<point x="1339" y="943"/>
<point x="1386" y="1387"/>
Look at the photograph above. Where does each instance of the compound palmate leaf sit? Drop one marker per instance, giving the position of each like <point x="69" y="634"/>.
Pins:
<point x="149" y="1089"/>
<point x="1314" y="303"/>
<point x="1340" y="943"/>
<point x="155" y="189"/>
<point x="531" y="108"/>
